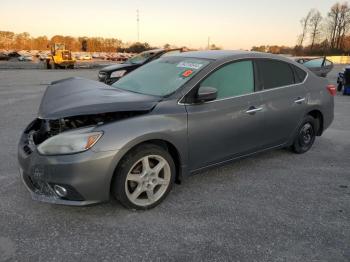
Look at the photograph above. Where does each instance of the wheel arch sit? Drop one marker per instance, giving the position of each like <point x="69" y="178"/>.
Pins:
<point x="164" y="143"/>
<point x="317" y="114"/>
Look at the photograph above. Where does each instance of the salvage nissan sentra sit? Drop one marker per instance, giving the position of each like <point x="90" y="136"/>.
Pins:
<point x="172" y="117"/>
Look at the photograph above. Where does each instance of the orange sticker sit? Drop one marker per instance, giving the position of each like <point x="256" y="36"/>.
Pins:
<point x="187" y="73"/>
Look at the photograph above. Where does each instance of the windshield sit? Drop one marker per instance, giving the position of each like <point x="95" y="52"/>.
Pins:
<point x="141" y="58"/>
<point x="162" y="76"/>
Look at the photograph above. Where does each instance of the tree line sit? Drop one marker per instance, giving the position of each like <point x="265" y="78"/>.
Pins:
<point x="24" y="41"/>
<point x="320" y="34"/>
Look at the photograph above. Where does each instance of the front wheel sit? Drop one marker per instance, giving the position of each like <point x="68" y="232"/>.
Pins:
<point x="144" y="177"/>
<point x="306" y="136"/>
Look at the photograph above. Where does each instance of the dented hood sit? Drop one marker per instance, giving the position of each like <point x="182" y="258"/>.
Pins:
<point x="78" y="96"/>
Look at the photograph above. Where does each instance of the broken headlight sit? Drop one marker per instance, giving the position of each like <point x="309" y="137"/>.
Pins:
<point x="69" y="142"/>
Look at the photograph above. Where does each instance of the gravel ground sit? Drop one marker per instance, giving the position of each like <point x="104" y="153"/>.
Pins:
<point x="275" y="206"/>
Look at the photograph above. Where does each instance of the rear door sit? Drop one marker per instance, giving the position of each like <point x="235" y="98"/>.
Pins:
<point x="230" y="125"/>
<point x="283" y="99"/>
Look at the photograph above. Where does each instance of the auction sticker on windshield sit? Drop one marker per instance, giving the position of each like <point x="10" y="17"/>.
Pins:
<point x="187" y="73"/>
<point x="190" y="65"/>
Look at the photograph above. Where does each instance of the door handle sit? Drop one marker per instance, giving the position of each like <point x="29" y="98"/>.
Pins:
<point x="299" y="100"/>
<point x="252" y="110"/>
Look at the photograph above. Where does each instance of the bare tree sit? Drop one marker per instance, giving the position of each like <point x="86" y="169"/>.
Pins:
<point x="334" y="17"/>
<point x="343" y="24"/>
<point x="338" y="24"/>
<point x="315" y="26"/>
<point x="305" y="25"/>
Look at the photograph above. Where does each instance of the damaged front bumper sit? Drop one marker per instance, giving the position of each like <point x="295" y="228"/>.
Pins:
<point x="85" y="176"/>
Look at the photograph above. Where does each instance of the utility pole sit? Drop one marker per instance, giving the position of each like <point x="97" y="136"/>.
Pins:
<point x="208" y="43"/>
<point x="138" y="24"/>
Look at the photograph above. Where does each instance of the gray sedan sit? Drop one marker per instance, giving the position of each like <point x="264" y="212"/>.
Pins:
<point x="171" y="118"/>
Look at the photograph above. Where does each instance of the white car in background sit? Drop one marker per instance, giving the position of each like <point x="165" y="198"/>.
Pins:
<point x="25" y="58"/>
<point x="85" y="57"/>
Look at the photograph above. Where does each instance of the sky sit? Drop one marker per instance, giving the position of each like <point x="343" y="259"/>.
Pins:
<point x="230" y="24"/>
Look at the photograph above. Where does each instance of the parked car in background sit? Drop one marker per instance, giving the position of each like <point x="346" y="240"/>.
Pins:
<point x="320" y="66"/>
<point x="14" y="54"/>
<point x="4" y="56"/>
<point x="111" y="74"/>
<point x="85" y="57"/>
<point x="25" y="58"/>
<point x="175" y="116"/>
<point x="343" y="81"/>
<point x="96" y="56"/>
<point x="44" y="56"/>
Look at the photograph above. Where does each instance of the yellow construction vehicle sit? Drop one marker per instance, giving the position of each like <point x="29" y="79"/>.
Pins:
<point x="60" y="57"/>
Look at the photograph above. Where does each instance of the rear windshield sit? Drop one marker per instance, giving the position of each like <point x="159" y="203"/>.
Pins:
<point x="162" y="76"/>
<point x="140" y="58"/>
<point x="314" y="63"/>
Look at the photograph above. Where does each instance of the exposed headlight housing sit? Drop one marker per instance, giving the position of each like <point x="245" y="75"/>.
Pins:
<point x="69" y="143"/>
<point x="117" y="74"/>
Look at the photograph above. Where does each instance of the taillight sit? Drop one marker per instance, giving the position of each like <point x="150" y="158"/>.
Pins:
<point x="332" y="90"/>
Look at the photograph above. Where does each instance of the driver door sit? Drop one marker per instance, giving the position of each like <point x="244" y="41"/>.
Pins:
<point x="229" y="126"/>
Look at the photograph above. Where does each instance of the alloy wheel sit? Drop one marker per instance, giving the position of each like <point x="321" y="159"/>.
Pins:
<point x="306" y="135"/>
<point x="147" y="180"/>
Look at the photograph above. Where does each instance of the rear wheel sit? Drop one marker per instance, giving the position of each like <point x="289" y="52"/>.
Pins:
<point x="306" y="135"/>
<point x="144" y="177"/>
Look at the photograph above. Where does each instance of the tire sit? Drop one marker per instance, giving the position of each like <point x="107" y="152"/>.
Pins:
<point x="305" y="136"/>
<point x="340" y="86"/>
<point x="142" y="186"/>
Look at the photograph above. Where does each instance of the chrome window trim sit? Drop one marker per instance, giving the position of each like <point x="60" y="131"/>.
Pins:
<point x="232" y="97"/>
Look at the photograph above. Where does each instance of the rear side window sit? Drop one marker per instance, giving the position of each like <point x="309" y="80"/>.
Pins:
<point x="299" y="74"/>
<point x="232" y="80"/>
<point x="275" y="73"/>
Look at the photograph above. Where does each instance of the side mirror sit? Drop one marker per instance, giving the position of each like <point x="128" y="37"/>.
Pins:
<point x="206" y="94"/>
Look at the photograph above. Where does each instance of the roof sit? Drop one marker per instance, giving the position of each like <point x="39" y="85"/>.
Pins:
<point x="214" y="54"/>
<point x="228" y="54"/>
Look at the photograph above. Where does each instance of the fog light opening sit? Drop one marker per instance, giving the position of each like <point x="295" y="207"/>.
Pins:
<point x="60" y="190"/>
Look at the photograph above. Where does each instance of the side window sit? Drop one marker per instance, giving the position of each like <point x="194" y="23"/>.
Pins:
<point x="232" y="80"/>
<point x="275" y="73"/>
<point x="299" y="74"/>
